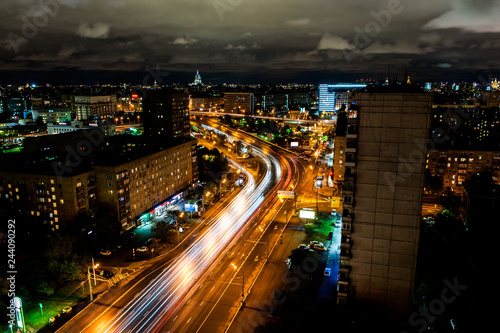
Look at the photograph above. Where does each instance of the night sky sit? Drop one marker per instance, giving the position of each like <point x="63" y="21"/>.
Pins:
<point x="247" y="41"/>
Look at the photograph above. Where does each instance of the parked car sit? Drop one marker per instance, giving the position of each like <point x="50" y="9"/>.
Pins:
<point x="52" y="319"/>
<point x="105" y="252"/>
<point x="142" y="249"/>
<point x="328" y="271"/>
<point x="67" y="309"/>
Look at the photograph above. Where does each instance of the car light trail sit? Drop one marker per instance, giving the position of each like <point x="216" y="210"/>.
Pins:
<point x="149" y="310"/>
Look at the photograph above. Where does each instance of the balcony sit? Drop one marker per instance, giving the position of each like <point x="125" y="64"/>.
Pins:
<point x="344" y="269"/>
<point x="347" y="218"/>
<point x="351" y="135"/>
<point x="344" y="254"/>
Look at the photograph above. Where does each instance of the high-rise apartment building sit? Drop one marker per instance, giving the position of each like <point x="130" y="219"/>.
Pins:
<point x="382" y="197"/>
<point x="166" y="113"/>
<point x="339" y="150"/>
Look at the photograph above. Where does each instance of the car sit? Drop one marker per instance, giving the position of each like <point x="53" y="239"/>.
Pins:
<point x="338" y="224"/>
<point x="67" y="309"/>
<point x="256" y="258"/>
<point x="334" y="212"/>
<point x="52" y="319"/>
<point x="321" y="248"/>
<point x="105" y="252"/>
<point x="330" y="236"/>
<point x="303" y="246"/>
<point x="142" y="249"/>
<point x="328" y="271"/>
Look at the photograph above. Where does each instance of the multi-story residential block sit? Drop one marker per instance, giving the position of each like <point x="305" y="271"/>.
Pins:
<point x="382" y="195"/>
<point x="47" y="199"/>
<point x="129" y="179"/>
<point x="140" y="180"/>
<point x="454" y="167"/>
<point x="166" y="113"/>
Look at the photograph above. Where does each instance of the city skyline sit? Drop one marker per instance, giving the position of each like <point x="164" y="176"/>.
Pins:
<point x="85" y="42"/>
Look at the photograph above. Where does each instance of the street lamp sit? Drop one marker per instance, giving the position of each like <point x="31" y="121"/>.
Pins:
<point x="88" y="276"/>
<point x="242" y="285"/>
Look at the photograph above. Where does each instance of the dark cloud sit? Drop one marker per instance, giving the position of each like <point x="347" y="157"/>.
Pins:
<point x="279" y="39"/>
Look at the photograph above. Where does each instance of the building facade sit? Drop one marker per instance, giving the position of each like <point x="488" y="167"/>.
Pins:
<point x="454" y="167"/>
<point x="166" y="113"/>
<point x="239" y="102"/>
<point x="49" y="200"/>
<point x="332" y="96"/>
<point x="382" y="197"/>
<point x="94" y="106"/>
<point x="129" y="189"/>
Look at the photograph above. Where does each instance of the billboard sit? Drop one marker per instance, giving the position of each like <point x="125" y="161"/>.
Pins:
<point x="307" y="214"/>
<point x="286" y="194"/>
<point x="190" y="207"/>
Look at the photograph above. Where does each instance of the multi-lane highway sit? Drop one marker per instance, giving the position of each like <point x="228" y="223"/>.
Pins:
<point x="170" y="288"/>
<point x="204" y="286"/>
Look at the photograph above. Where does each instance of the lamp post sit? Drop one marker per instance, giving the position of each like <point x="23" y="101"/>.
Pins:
<point x="242" y="285"/>
<point x="88" y="276"/>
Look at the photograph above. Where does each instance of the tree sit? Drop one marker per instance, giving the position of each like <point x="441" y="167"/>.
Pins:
<point x="309" y="227"/>
<point x="164" y="231"/>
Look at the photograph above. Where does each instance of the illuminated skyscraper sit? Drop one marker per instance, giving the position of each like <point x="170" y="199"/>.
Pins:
<point x="332" y="96"/>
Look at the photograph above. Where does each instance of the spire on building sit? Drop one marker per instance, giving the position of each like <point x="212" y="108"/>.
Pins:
<point x="197" y="79"/>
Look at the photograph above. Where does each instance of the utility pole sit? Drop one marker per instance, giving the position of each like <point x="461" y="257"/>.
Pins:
<point x="177" y="226"/>
<point x="90" y="284"/>
<point x="242" y="289"/>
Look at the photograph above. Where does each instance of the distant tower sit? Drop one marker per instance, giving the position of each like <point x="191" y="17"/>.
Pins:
<point x="197" y="79"/>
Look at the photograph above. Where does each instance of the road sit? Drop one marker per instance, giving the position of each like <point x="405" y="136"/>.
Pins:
<point x="151" y="301"/>
<point x="254" y="268"/>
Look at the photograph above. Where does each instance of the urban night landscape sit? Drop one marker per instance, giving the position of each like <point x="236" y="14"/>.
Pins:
<point x="230" y="166"/>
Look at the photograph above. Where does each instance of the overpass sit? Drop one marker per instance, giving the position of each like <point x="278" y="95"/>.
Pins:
<point x="324" y="122"/>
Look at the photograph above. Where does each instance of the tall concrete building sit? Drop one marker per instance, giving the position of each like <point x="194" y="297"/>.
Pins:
<point x="382" y="197"/>
<point x="166" y="113"/>
<point x="339" y="149"/>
